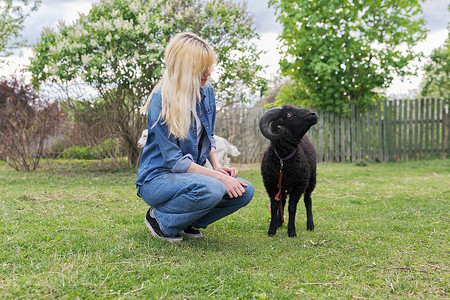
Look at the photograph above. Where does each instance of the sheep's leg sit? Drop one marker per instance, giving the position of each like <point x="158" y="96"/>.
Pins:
<point x="274" y="214"/>
<point x="309" y="215"/>
<point x="293" y="201"/>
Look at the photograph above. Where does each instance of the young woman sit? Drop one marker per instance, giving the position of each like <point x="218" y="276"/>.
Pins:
<point x="182" y="194"/>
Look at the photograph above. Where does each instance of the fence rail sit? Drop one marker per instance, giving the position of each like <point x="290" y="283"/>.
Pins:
<point x="386" y="131"/>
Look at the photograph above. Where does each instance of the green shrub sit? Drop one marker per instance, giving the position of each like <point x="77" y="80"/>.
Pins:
<point x="78" y="152"/>
<point x="107" y="148"/>
<point x="361" y="163"/>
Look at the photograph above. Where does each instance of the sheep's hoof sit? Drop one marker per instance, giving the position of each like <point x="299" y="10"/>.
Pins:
<point x="292" y="236"/>
<point x="310" y="227"/>
<point x="271" y="232"/>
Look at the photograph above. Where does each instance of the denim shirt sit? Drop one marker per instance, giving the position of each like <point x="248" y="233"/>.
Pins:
<point x="163" y="153"/>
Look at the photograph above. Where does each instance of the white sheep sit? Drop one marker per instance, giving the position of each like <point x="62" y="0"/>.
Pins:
<point x="223" y="149"/>
<point x="142" y="139"/>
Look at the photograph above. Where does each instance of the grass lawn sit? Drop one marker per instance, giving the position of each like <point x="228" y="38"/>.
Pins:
<point x="70" y="230"/>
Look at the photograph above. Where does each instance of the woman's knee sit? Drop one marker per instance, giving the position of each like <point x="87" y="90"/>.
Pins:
<point x="249" y="191"/>
<point x="210" y="190"/>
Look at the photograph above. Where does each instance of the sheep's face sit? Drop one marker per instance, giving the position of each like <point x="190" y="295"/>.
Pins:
<point x="287" y="120"/>
<point x="297" y="120"/>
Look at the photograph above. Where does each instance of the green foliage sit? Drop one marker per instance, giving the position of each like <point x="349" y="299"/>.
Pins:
<point x="361" y="163"/>
<point x="292" y="93"/>
<point x="103" y="150"/>
<point x="341" y="52"/>
<point x="78" y="152"/>
<point x="68" y="231"/>
<point x="120" y="44"/>
<point x="436" y="81"/>
<point x="12" y="16"/>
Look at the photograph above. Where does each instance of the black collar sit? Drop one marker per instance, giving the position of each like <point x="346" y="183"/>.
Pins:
<point x="287" y="157"/>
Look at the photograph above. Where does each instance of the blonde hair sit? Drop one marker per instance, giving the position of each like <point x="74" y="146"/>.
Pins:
<point x="186" y="56"/>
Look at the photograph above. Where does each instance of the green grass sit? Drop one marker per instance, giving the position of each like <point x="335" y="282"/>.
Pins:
<point x="382" y="231"/>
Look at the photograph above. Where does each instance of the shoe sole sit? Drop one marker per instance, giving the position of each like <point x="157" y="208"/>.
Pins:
<point x="194" y="236"/>
<point x="169" y="239"/>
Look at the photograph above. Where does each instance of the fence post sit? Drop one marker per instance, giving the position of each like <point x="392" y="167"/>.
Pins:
<point x="432" y="131"/>
<point x="438" y="120"/>
<point x="397" y="134"/>
<point x="405" y="125"/>
<point x="342" y="137"/>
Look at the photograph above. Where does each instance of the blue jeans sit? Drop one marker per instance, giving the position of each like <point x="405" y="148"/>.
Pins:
<point x="183" y="199"/>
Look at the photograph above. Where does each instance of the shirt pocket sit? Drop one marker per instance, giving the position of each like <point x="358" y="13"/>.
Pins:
<point x="209" y="109"/>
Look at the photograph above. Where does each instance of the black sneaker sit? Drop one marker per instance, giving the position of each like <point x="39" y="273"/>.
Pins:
<point x="153" y="225"/>
<point x="192" y="232"/>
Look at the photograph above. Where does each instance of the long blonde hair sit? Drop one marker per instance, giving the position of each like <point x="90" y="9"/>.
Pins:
<point x="186" y="56"/>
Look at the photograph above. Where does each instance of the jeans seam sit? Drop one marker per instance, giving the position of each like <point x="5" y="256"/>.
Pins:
<point x="160" y="225"/>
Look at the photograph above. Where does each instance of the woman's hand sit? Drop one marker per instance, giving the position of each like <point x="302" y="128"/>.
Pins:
<point x="234" y="187"/>
<point x="233" y="172"/>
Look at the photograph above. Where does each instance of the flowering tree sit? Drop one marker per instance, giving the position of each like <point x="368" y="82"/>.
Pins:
<point x="12" y="16"/>
<point x="118" y="48"/>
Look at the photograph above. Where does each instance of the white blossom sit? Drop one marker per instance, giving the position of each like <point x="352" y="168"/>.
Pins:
<point x="59" y="46"/>
<point x="178" y="16"/>
<point x="78" y="27"/>
<point x="114" y="13"/>
<point x="86" y="58"/>
<point x="160" y="23"/>
<point x="118" y="23"/>
<point x="134" y="6"/>
<point x="94" y="72"/>
<point x="121" y="24"/>
<point x="142" y="19"/>
<point x="61" y="25"/>
<point x="153" y="3"/>
<point x="52" y="68"/>
<point x="94" y="43"/>
<point x="105" y="25"/>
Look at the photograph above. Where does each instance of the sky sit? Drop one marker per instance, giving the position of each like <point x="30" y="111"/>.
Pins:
<point x="50" y="12"/>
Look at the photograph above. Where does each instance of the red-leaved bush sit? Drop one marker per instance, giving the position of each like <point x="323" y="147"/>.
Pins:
<point x="26" y="122"/>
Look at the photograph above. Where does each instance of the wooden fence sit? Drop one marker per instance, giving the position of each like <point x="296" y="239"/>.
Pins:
<point x="386" y="131"/>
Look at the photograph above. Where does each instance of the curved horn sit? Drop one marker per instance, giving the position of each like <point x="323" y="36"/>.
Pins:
<point x="264" y="124"/>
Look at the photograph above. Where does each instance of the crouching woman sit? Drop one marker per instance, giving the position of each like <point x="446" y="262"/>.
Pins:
<point x="182" y="194"/>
